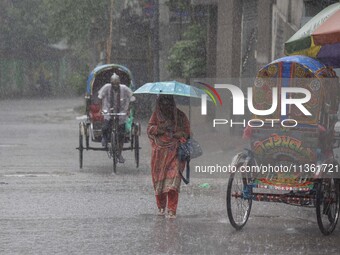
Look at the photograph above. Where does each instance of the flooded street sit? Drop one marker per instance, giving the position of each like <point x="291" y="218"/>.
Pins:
<point x="49" y="206"/>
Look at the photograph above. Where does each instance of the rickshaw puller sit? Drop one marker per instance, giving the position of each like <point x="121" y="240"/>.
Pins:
<point x="122" y="96"/>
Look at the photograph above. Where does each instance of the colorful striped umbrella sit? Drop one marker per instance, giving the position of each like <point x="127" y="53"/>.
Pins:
<point x="319" y="38"/>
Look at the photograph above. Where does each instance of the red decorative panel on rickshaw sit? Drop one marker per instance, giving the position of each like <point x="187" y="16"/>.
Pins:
<point x="277" y="146"/>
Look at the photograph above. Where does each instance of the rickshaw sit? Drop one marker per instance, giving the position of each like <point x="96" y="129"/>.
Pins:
<point x="92" y="126"/>
<point x="301" y="168"/>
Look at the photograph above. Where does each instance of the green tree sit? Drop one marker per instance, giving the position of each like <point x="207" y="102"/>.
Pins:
<point x="187" y="58"/>
<point x="23" y="37"/>
<point x="23" y="25"/>
<point x="179" y="5"/>
<point x="80" y="22"/>
<point x="84" y="24"/>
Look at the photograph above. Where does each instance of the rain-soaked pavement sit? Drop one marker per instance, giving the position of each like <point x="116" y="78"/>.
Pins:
<point x="49" y="206"/>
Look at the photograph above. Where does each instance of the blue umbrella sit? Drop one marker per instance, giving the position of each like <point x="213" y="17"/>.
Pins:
<point x="174" y="88"/>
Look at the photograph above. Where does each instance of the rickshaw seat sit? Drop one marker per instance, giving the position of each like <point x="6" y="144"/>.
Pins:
<point x="95" y="114"/>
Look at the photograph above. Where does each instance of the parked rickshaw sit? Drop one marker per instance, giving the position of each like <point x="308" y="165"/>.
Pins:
<point x="92" y="126"/>
<point x="306" y="171"/>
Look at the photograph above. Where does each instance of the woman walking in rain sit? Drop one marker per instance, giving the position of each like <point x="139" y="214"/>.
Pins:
<point x="167" y="126"/>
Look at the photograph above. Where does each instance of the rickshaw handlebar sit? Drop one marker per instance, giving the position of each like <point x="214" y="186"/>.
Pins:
<point x="113" y="114"/>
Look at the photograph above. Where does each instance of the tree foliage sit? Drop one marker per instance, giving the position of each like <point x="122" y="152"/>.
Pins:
<point x="187" y="57"/>
<point x="78" y="21"/>
<point x="23" y="24"/>
<point x="182" y="5"/>
<point x="29" y="28"/>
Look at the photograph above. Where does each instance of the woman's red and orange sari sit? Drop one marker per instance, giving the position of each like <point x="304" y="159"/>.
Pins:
<point x="164" y="161"/>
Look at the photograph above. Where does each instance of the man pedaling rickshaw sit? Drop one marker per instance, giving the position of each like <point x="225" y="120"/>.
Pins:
<point x="122" y="96"/>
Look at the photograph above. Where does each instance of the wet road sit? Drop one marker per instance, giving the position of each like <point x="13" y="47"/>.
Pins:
<point x="49" y="206"/>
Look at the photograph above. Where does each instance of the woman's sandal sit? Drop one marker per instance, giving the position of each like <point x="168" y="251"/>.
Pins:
<point x="161" y="212"/>
<point x="171" y="215"/>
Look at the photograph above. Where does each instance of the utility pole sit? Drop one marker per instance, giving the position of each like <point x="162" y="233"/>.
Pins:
<point x="155" y="43"/>
<point x="109" y="41"/>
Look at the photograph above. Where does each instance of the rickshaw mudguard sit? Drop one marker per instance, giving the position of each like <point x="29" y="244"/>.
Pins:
<point x="243" y="157"/>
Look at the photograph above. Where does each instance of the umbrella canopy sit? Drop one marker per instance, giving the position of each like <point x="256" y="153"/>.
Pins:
<point x="319" y="38"/>
<point x="170" y="88"/>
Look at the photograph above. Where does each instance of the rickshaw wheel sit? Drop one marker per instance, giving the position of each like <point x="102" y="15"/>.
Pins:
<point x="327" y="204"/>
<point x="136" y="148"/>
<point x="114" y="144"/>
<point x="81" y="146"/>
<point x="238" y="206"/>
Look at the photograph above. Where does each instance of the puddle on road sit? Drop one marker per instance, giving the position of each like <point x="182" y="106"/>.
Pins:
<point x="12" y="145"/>
<point x="48" y="118"/>
<point x="37" y="174"/>
<point x="291" y="231"/>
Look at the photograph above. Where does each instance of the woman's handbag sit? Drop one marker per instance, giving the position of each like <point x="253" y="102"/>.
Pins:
<point x="188" y="150"/>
